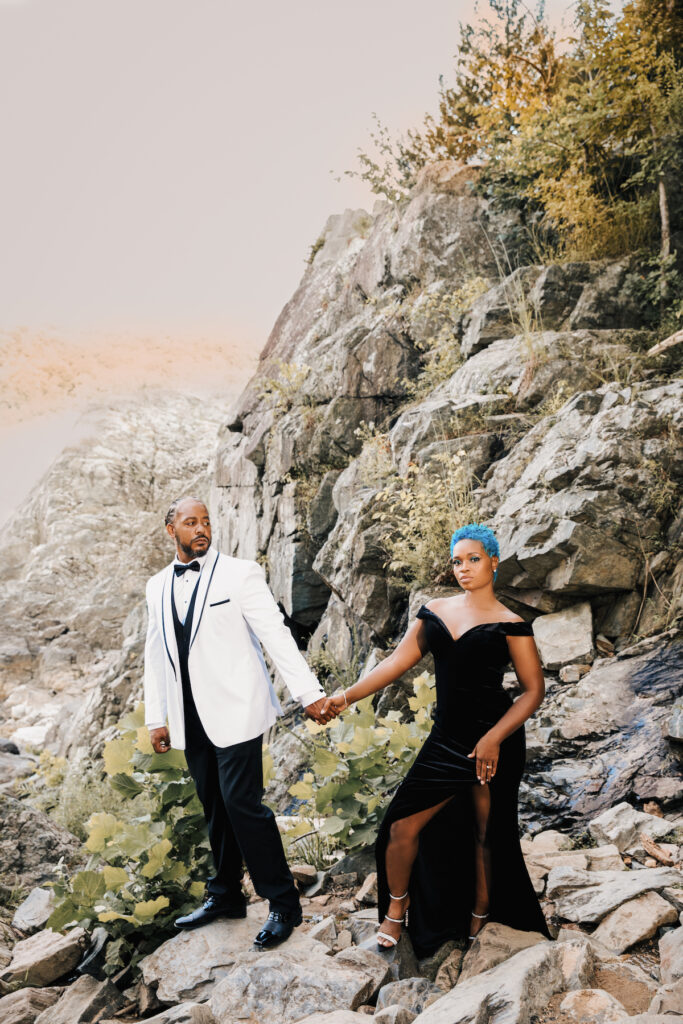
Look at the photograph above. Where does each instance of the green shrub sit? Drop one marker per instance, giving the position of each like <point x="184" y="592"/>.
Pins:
<point x="144" y="871"/>
<point x="357" y="763"/>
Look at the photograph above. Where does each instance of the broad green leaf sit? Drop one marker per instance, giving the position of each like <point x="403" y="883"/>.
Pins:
<point x="101" y="827"/>
<point x="333" y="826"/>
<point x="118" y="756"/>
<point x="64" y="913"/>
<point x="114" y="878"/>
<point x="156" y="857"/>
<point x="148" y="909"/>
<point x="197" y="889"/>
<point x="325" y="794"/>
<point x="326" y="763"/>
<point x="301" y="790"/>
<point x="113" y="915"/>
<point x="126" y="785"/>
<point x="133" y="720"/>
<point x="87" y="886"/>
<point x="143" y="742"/>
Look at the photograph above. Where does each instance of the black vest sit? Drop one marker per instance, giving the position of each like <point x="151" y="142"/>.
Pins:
<point x="183" y="633"/>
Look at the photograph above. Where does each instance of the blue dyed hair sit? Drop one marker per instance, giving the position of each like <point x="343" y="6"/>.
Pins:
<point x="486" y="537"/>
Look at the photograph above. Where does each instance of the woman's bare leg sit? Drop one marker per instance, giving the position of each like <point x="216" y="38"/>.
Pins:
<point x="400" y="857"/>
<point x="481" y="799"/>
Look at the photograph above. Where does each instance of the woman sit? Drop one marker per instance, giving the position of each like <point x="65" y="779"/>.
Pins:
<point x="448" y="846"/>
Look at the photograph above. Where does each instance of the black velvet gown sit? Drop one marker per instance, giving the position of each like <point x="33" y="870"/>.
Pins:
<point x="469" y="700"/>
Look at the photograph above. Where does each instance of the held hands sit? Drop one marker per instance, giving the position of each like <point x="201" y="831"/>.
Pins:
<point x="160" y="740"/>
<point x="487" y="752"/>
<point x="320" y="711"/>
<point x="336" y="704"/>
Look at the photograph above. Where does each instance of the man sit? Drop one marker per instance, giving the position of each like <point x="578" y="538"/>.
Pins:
<point x="205" y="673"/>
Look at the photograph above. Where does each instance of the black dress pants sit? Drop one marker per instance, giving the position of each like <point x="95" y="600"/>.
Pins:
<point x="229" y="783"/>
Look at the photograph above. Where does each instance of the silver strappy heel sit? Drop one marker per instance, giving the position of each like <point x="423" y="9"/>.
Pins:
<point x="394" y="920"/>
<point x="481" y="917"/>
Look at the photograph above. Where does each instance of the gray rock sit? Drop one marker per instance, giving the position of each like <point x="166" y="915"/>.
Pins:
<point x="14" y="767"/>
<point x="400" y="959"/>
<point x="363" y="926"/>
<point x="370" y="963"/>
<point x="188" y="966"/>
<point x="590" y="895"/>
<point x="24" y="1005"/>
<point x="83" y="1002"/>
<point x="671" y="955"/>
<point x="31" y="843"/>
<point x="499" y="313"/>
<point x="8" y="746"/>
<point x="44" y="957"/>
<point x="183" y="1013"/>
<point x="449" y="972"/>
<point x="431" y="965"/>
<point x="516" y="989"/>
<point x="368" y="891"/>
<point x="414" y="994"/>
<point x="324" y="931"/>
<point x="550" y="841"/>
<point x="594" y="1005"/>
<point x="674" y="726"/>
<point x="336" y="1017"/>
<point x="33" y="913"/>
<point x="281" y="986"/>
<point x="565" y="636"/>
<point x="494" y="944"/>
<point x="394" y="1015"/>
<point x="668" y="998"/>
<point x="634" y="921"/>
<point x="623" y="824"/>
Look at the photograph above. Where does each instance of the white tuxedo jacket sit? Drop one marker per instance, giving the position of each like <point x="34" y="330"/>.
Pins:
<point x="234" y="610"/>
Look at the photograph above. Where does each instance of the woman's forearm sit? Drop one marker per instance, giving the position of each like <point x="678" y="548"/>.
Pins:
<point x="515" y="716"/>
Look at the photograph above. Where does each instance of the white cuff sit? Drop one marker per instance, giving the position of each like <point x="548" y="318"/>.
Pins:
<point x="311" y="697"/>
<point x="155" y="725"/>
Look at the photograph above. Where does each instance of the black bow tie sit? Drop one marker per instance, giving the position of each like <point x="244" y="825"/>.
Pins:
<point x="180" y="569"/>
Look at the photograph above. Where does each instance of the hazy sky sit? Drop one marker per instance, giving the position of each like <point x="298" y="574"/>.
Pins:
<point x="166" y="163"/>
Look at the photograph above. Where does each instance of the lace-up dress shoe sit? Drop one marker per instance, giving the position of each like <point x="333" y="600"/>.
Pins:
<point x="278" y="927"/>
<point x="209" y="911"/>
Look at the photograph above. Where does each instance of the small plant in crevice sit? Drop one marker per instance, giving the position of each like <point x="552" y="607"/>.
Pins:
<point x="330" y="671"/>
<point x="418" y="513"/>
<point x="285" y="389"/>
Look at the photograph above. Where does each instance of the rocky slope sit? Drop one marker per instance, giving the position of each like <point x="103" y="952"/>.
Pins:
<point x="75" y="560"/>
<point x="568" y="430"/>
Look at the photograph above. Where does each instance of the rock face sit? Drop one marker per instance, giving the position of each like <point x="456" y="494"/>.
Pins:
<point x="44" y="957"/>
<point x="76" y="560"/>
<point x="31" y="844"/>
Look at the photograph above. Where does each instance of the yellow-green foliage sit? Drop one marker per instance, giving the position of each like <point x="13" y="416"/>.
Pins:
<point x="285" y="388"/>
<point x="357" y="762"/>
<point x="587" y="132"/>
<point x="419" y="513"/>
<point x="142" y="871"/>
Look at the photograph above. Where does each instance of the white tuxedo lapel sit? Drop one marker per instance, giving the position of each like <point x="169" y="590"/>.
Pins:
<point x="167" y="621"/>
<point x="203" y="591"/>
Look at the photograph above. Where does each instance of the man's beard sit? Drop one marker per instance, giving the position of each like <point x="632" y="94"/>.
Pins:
<point x="189" y="551"/>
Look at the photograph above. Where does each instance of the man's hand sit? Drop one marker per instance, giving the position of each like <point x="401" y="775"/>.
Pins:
<point x="160" y="740"/>
<point x="320" y="712"/>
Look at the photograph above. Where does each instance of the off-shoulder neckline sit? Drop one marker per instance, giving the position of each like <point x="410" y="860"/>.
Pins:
<point x="477" y="625"/>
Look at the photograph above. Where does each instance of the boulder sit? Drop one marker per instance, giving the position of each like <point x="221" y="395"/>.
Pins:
<point x="516" y="989"/>
<point x="591" y="1004"/>
<point x="415" y="994"/>
<point x="550" y="840"/>
<point x="634" y="921"/>
<point x="363" y="925"/>
<point x="566" y="636"/>
<point x="84" y="1001"/>
<point x="304" y="874"/>
<point x="182" y="1013"/>
<point x="494" y="944"/>
<point x="31" y="843"/>
<point x="33" y="913"/>
<point x="400" y="959"/>
<point x="368" y="891"/>
<point x="188" y="966"/>
<point x="449" y="972"/>
<point x="668" y="998"/>
<point x="336" y="1017"/>
<point x="394" y="1015"/>
<point x="44" y="957"/>
<point x="281" y="986"/>
<point x="604" y="858"/>
<point x="590" y="895"/>
<point x="370" y="963"/>
<point x="622" y="824"/>
<point x="628" y="982"/>
<point x="671" y="955"/>
<point x="430" y="965"/>
<point x="324" y="931"/>
<point x="24" y="1005"/>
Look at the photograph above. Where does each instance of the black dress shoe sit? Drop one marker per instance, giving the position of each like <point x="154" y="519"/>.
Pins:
<point x="277" y="928"/>
<point x="209" y="911"/>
